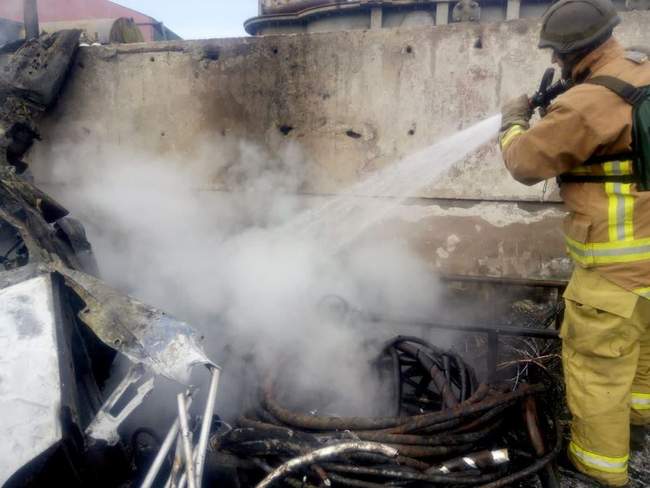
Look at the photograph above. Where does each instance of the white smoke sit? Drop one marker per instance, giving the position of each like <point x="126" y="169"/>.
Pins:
<point x="164" y="231"/>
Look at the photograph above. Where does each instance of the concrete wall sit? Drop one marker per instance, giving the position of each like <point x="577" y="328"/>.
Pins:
<point x="395" y="91"/>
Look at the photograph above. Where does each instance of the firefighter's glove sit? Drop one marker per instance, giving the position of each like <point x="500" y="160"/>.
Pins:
<point x="516" y="112"/>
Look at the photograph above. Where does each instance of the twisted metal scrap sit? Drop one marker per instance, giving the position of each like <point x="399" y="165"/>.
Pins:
<point x="142" y="333"/>
<point x="323" y="455"/>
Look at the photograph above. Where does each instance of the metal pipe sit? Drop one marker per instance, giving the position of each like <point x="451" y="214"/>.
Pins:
<point x="547" y="475"/>
<point x="186" y="440"/>
<point x="505" y="281"/>
<point x="207" y="423"/>
<point x="505" y="330"/>
<point x="322" y="455"/>
<point x="30" y="17"/>
<point x="160" y="457"/>
<point x="162" y="453"/>
<point x="537" y="466"/>
<point x="177" y="465"/>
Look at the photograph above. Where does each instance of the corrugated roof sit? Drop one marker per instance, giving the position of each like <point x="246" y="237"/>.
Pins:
<point x="58" y="10"/>
<point x="71" y="10"/>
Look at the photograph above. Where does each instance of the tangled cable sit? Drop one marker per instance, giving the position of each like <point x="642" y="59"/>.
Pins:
<point x="448" y="430"/>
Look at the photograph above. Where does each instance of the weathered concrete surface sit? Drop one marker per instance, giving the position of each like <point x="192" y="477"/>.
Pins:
<point x="354" y="102"/>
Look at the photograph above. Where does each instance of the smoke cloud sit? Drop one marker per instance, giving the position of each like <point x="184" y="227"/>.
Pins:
<point x="265" y="294"/>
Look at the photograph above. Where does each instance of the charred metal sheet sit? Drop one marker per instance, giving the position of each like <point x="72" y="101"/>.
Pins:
<point x="20" y="210"/>
<point x="142" y="333"/>
<point x="29" y="84"/>
<point x="30" y="386"/>
<point x="38" y="69"/>
<point x="72" y="232"/>
<point x="49" y="373"/>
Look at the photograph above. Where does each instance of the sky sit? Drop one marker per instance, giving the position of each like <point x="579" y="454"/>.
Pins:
<point x="198" y="19"/>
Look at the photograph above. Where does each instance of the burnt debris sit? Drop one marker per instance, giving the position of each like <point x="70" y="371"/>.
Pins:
<point x="448" y="429"/>
<point x="63" y="326"/>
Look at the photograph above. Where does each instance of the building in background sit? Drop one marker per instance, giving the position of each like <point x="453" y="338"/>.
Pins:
<point x="98" y="18"/>
<point x="294" y="16"/>
<point x="10" y="30"/>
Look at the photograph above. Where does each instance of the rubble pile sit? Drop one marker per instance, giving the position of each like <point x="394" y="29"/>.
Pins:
<point x="64" y="326"/>
<point x="447" y="430"/>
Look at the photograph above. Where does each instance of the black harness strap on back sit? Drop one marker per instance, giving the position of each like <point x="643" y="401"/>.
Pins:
<point x="631" y="95"/>
<point x="569" y="178"/>
<point x="626" y="156"/>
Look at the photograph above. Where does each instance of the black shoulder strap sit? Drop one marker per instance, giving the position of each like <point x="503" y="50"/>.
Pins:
<point x="627" y="92"/>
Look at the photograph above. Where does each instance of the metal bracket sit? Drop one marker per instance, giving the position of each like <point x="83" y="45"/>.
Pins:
<point x="104" y="426"/>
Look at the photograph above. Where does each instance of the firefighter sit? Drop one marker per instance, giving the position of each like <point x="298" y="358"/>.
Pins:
<point x="585" y="140"/>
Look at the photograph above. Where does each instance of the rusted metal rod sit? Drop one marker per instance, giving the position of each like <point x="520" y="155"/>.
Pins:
<point x="533" y="468"/>
<point x="436" y="374"/>
<point x="505" y="330"/>
<point x="531" y="416"/>
<point x="393" y="425"/>
<point x="409" y="475"/>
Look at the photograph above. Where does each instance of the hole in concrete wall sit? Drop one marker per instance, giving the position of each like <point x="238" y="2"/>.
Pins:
<point x="152" y="59"/>
<point x="274" y="50"/>
<point x="353" y="134"/>
<point x="409" y="49"/>
<point x="479" y="43"/>
<point x="212" y="53"/>
<point x="411" y="132"/>
<point x="286" y="129"/>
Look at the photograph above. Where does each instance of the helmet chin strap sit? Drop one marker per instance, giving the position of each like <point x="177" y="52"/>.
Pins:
<point x="569" y="62"/>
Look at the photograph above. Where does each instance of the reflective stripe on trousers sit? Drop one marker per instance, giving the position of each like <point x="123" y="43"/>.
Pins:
<point x="596" y="461"/>
<point x="643" y="292"/>
<point x="640" y="401"/>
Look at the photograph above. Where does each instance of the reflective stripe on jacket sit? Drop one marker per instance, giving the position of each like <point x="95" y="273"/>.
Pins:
<point x="609" y="222"/>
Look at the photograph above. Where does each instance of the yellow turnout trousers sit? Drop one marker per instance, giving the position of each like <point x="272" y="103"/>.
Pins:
<point x="606" y="358"/>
